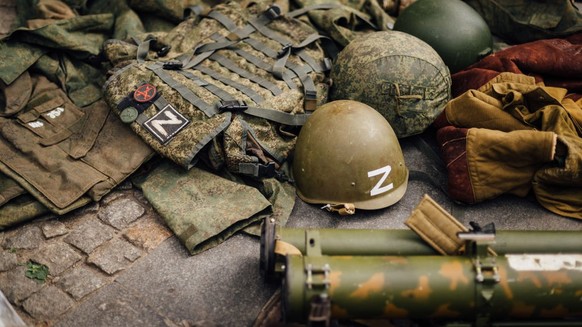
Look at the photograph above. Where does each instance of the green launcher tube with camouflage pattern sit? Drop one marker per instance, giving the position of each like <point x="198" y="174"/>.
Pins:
<point x="512" y="287"/>
<point x="385" y="242"/>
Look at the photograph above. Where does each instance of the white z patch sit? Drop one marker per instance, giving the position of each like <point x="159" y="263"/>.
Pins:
<point x="166" y="123"/>
<point x="378" y="188"/>
<point x="172" y="120"/>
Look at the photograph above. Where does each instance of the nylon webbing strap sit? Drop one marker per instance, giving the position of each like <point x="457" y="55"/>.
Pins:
<point x="278" y="116"/>
<point x="287" y="50"/>
<point x="197" y="59"/>
<point x="332" y="5"/>
<point x="209" y="86"/>
<point x="223" y="43"/>
<point x="259" y="23"/>
<point x="301" y="71"/>
<point x="160" y="104"/>
<point x="227" y="63"/>
<point x="269" y="151"/>
<point x="225" y="21"/>
<point x="304" y="10"/>
<point x="208" y="109"/>
<point x="278" y="68"/>
<point x="142" y="49"/>
<point x="285" y="76"/>
<point x="247" y="91"/>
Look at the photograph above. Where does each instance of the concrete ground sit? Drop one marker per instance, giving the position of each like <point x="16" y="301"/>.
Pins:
<point x="115" y="263"/>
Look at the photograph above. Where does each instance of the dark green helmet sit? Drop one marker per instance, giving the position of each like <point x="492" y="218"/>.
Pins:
<point x="455" y="30"/>
<point x="397" y="74"/>
<point x="347" y="153"/>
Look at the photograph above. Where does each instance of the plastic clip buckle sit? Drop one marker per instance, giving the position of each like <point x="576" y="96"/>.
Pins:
<point x="172" y="65"/>
<point x="284" y="50"/>
<point x="273" y="12"/>
<point x="232" y="105"/>
<point x="267" y="170"/>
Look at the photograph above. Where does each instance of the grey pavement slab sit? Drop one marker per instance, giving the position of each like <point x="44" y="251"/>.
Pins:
<point x="112" y="306"/>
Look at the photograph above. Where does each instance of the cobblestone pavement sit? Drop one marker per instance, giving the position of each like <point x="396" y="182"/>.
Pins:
<point x="84" y="251"/>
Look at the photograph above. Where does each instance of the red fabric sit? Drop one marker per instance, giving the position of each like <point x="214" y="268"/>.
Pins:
<point x="556" y="62"/>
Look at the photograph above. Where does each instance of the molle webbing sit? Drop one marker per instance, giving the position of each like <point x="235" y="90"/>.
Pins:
<point x="208" y="109"/>
<point x="234" y="76"/>
<point x="278" y="69"/>
<point x="211" y="109"/>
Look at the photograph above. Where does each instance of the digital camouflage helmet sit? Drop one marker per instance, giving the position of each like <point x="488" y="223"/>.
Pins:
<point x="397" y="74"/>
<point x="453" y="28"/>
<point x="347" y="153"/>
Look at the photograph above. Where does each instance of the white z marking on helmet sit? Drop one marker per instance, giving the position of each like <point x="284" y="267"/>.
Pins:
<point x="378" y="188"/>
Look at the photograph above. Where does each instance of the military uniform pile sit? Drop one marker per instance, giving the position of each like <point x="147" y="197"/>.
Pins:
<point x="218" y="91"/>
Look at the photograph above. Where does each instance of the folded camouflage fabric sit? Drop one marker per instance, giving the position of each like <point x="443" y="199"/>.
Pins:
<point x="201" y="208"/>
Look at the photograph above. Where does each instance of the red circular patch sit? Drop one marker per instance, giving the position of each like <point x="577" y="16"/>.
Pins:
<point x="144" y="93"/>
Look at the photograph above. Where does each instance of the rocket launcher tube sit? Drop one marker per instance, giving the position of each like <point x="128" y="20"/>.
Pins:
<point x="538" y="287"/>
<point x="383" y="242"/>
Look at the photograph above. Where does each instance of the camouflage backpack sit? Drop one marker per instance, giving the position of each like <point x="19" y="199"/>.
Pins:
<point x="235" y="98"/>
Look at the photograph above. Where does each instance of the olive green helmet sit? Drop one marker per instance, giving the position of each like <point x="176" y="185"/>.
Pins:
<point x="453" y="28"/>
<point x="347" y="153"/>
<point x="397" y="74"/>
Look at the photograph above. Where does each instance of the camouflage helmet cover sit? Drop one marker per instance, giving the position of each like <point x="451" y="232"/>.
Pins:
<point x="399" y="75"/>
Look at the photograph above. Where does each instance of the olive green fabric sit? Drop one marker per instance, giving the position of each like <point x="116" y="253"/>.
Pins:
<point x="514" y="126"/>
<point x="64" y="155"/>
<point x="9" y="189"/>
<point x="519" y="21"/>
<point x="201" y="208"/>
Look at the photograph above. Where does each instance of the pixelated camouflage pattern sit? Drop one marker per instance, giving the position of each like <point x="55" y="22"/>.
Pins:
<point x="397" y="74"/>
<point x="435" y="287"/>
<point x="204" y="209"/>
<point x="21" y="209"/>
<point x="353" y="19"/>
<point x="274" y="141"/>
<point x="169" y="9"/>
<point x="80" y="37"/>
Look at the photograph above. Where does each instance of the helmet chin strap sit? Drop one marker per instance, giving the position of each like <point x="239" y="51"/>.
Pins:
<point x="344" y="209"/>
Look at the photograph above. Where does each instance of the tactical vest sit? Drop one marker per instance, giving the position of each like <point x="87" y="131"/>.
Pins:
<point x="236" y="99"/>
